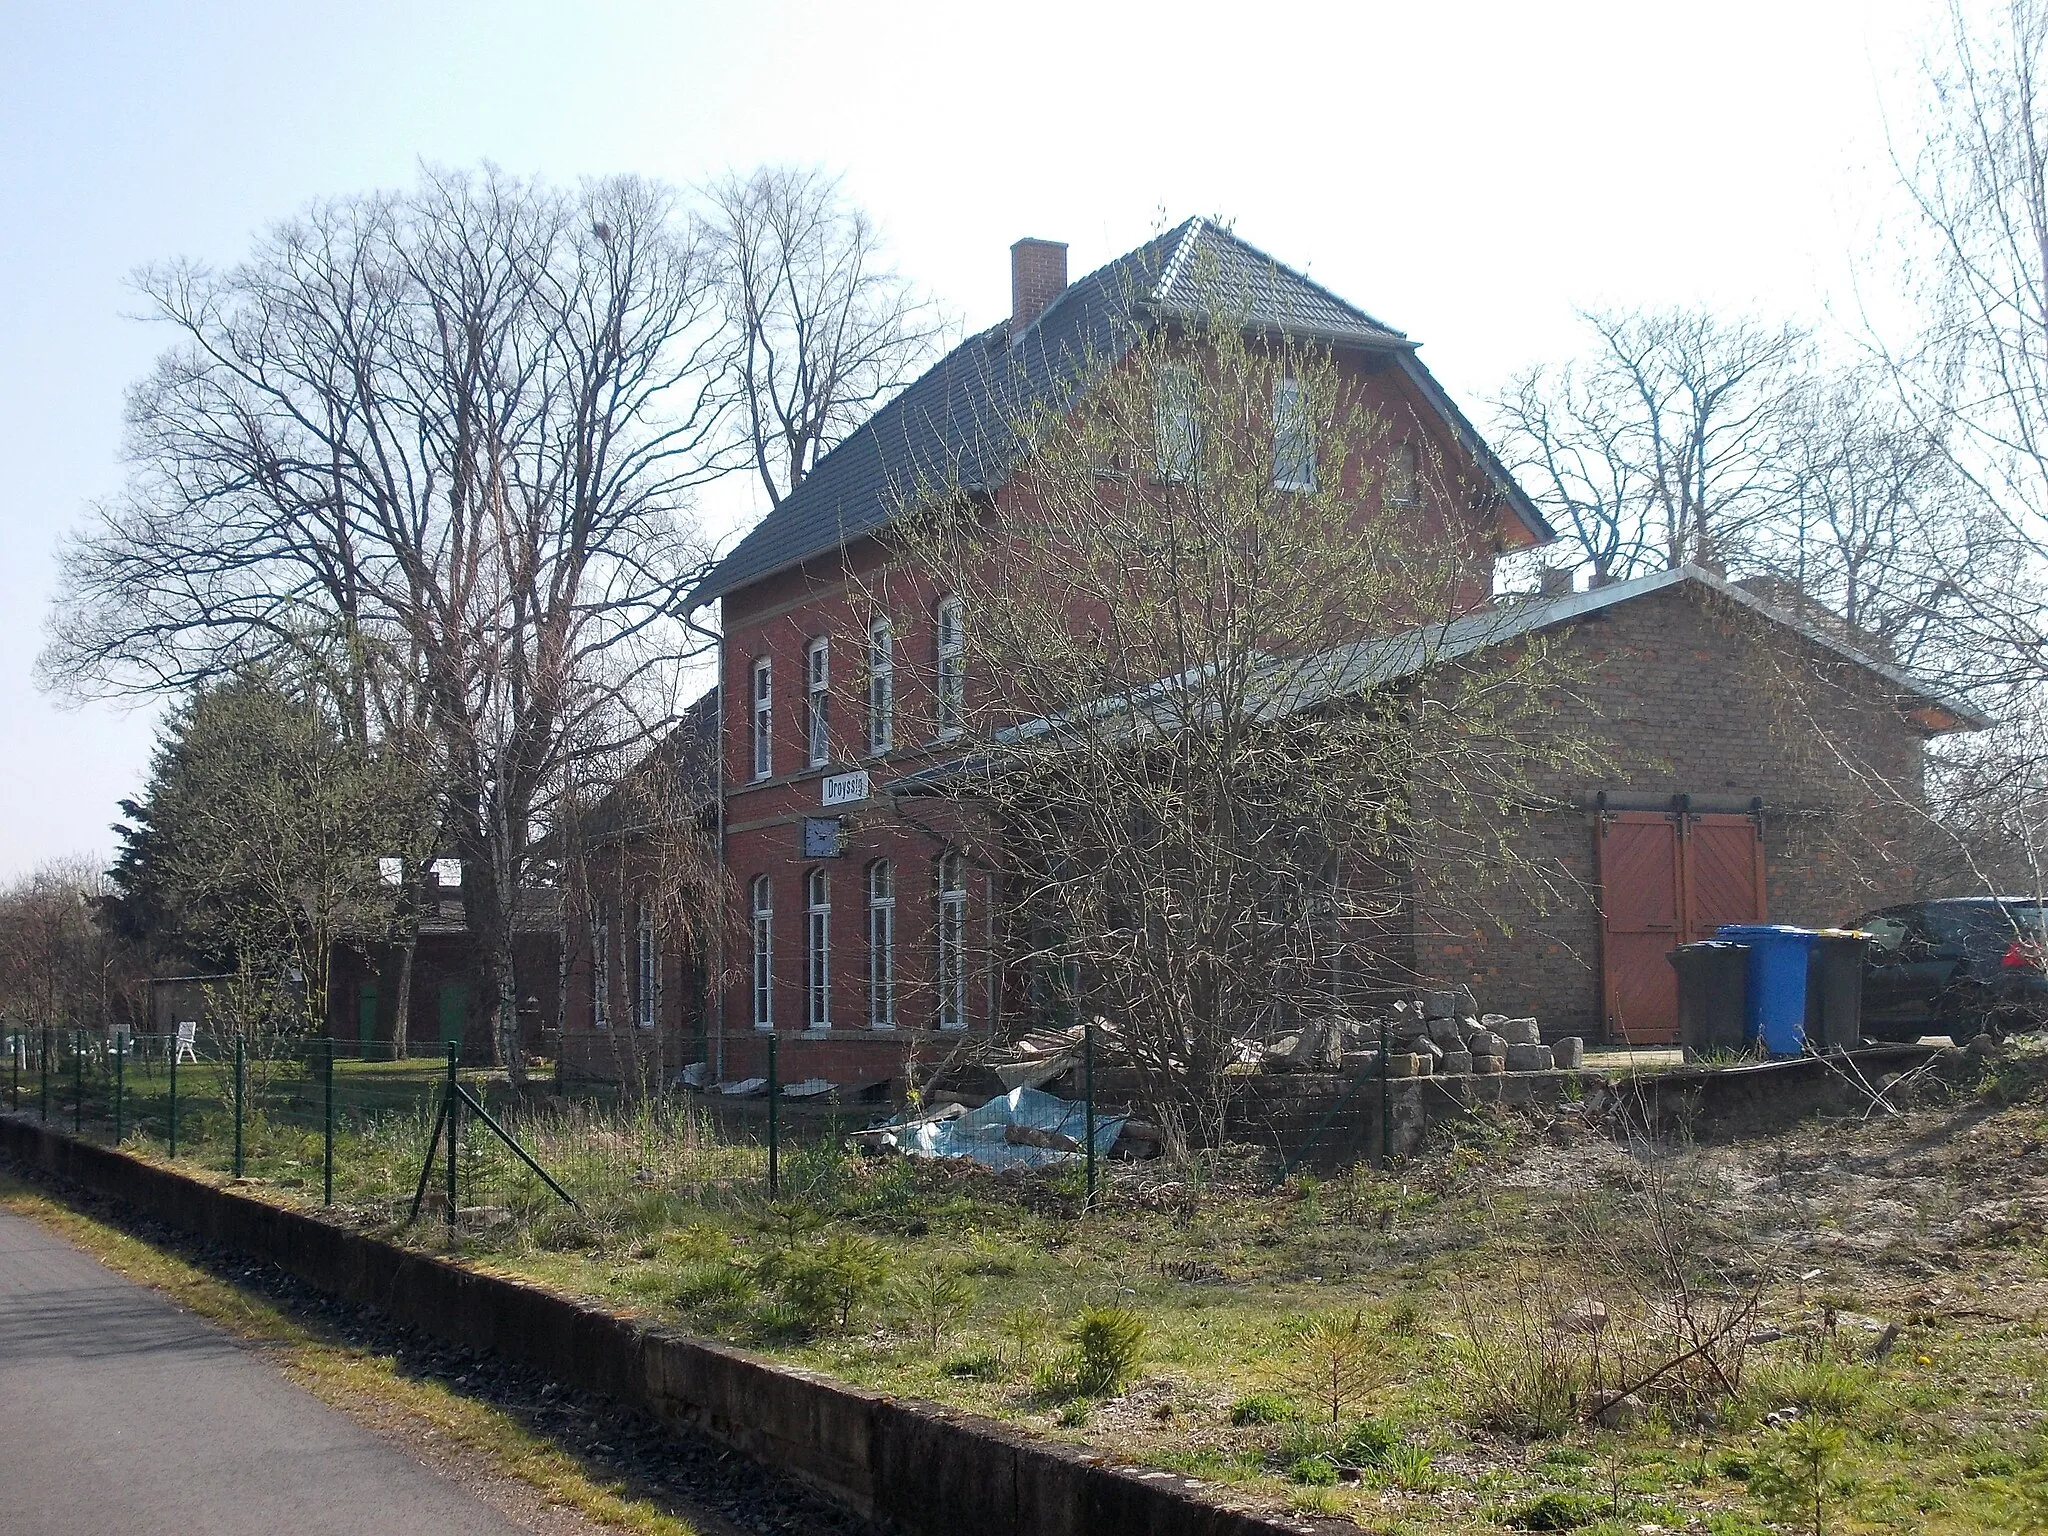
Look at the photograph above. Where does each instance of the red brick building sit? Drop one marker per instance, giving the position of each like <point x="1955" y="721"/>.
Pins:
<point x="867" y="931"/>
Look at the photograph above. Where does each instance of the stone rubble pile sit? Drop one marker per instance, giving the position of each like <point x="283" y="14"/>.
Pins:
<point x="1440" y="1034"/>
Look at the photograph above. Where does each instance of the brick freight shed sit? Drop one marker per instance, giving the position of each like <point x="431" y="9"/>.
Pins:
<point x="1760" y="769"/>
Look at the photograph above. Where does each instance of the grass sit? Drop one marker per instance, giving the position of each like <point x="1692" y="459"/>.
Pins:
<point x="349" y="1378"/>
<point x="967" y="1287"/>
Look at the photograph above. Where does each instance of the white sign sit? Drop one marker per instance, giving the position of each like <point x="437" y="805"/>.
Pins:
<point x="845" y="788"/>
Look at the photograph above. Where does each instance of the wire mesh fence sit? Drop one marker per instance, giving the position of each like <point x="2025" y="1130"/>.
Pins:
<point x="353" y="1127"/>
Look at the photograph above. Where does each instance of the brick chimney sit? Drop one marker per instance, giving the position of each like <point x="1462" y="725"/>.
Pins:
<point x="1038" y="275"/>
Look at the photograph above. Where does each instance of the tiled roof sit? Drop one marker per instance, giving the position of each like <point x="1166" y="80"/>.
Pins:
<point x="1293" y="684"/>
<point x="956" y="427"/>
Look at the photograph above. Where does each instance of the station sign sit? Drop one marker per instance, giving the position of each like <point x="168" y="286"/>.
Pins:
<point x="845" y="789"/>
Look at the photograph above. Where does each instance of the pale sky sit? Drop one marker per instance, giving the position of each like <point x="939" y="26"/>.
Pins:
<point x="1469" y="173"/>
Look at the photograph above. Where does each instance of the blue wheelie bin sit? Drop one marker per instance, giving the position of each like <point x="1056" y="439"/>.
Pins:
<point x="1774" y="1002"/>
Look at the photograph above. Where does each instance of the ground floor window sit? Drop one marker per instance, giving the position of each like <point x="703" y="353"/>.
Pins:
<point x="764" y="953"/>
<point x="952" y="937"/>
<point x="818" y="902"/>
<point x="600" y="968"/>
<point x="881" y="945"/>
<point x="647" y="969"/>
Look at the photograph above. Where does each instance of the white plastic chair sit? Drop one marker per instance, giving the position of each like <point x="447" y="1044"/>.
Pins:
<point x="187" y="1048"/>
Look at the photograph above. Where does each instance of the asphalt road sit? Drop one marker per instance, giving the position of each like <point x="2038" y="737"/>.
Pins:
<point x="120" y="1413"/>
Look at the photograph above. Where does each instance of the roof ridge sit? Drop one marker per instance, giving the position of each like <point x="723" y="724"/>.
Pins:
<point x="1170" y="273"/>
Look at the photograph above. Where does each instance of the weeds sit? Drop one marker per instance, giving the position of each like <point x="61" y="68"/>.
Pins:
<point x="1263" y="1408"/>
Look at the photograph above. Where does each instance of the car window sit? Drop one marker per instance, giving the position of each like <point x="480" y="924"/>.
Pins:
<point x="1887" y="932"/>
<point x="2027" y="919"/>
<point x="1984" y="925"/>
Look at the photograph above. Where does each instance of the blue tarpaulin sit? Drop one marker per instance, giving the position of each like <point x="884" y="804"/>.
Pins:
<point x="983" y="1134"/>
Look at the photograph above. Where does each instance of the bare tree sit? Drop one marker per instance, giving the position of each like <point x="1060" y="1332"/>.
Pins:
<point x="1659" y="447"/>
<point x="439" y="444"/>
<point x="823" y="330"/>
<point x="59" y="967"/>
<point x="1973" y="164"/>
<point x="1206" y="689"/>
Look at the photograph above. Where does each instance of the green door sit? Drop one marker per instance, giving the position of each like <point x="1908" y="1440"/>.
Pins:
<point x="366" y="1018"/>
<point x="454" y="1012"/>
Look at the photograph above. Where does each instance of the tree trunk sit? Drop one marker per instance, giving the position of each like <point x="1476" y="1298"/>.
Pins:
<point x="401" y="1022"/>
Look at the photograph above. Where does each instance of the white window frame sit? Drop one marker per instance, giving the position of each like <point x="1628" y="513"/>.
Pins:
<point x="951" y="936"/>
<point x="764" y="953"/>
<point x="881" y="687"/>
<point x="600" y="967"/>
<point x="818" y="701"/>
<point x="646" y="968"/>
<point x="881" y="888"/>
<point x="950" y="642"/>
<point x="818" y="947"/>
<point x="763" y="674"/>
<point x="1294" y="443"/>
<point x="1404" y="475"/>
<point x="1177" y="430"/>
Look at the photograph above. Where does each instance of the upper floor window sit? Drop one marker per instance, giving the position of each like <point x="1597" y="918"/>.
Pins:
<point x="1294" y="441"/>
<point x="818" y="700"/>
<point x="764" y="718"/>
<point x="646" y="969"/>
<point x="818" y="901"/>
<point x="952" y="915"/>
<point x="601" y="968"/>
<point x="881" y="945"/>
<point x="1176" y="425"/>
<point x="764" y="953"/>
<point x="952" y="658"/>
<point x="881" y="686"/>
<point x="1404" y="474"/>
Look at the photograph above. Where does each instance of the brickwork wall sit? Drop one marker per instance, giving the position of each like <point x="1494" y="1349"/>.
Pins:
<point x="836" y="596"/>
<point x="1688" y="694"/>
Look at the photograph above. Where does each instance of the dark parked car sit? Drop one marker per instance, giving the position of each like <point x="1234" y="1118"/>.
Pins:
<point x="1958" y="968"/>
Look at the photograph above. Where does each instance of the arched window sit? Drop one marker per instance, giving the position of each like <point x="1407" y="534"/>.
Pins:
<point x="764" y="718"/>
<point x="646" y="968"/>
<point x="881" y="686"/>
<point x="881" y="945"/>
<point x="818" y="700"/>
<point x="952" y="664"/>
<point x="818" y="902"/>
<point x="601" y="967"/>
<point x="1404" y="475"/>
<point x="952" y="941"/>
<point x="764" y="953"/>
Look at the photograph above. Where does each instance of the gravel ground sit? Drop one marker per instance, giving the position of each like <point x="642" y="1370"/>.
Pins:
<point x="687" y="1474"/>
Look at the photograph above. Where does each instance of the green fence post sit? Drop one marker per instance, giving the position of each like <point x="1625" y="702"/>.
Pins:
<point x="241" y="1086"/>
<point x="327" y="1131"/>
<point x="1088" y="1095"/>
<point x="78" y="1082"/>
<point x="44" y="1064"/>
<point x="1386" y="1104"/>
<point x="174" y="1098"/>
<point x="120" y="1080"/>
<point x="454" y="1138"/>
<point x="774" y="1123"/>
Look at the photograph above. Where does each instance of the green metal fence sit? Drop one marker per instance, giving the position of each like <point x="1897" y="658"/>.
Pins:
<point x="353" y="1128"/>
